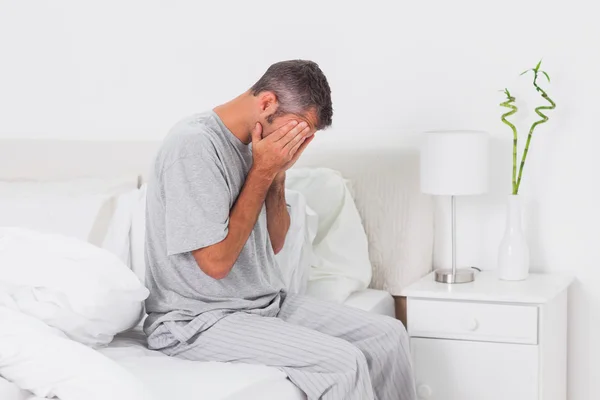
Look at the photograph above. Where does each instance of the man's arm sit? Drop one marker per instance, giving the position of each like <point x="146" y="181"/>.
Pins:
<point x="270" y="156"/>
<point x="278" y="218"/>
<point x="218" y="259"/>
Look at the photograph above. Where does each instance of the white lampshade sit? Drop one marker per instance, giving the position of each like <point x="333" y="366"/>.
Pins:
<point x="455" y="163"/>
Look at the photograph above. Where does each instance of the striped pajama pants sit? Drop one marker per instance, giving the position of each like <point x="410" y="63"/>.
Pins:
<point x="329" y="351"/>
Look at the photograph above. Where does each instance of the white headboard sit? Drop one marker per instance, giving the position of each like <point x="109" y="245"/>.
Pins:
<point x="398" y="219"/>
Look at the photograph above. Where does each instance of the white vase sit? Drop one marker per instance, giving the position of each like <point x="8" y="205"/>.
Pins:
<point x="513" y="254"/>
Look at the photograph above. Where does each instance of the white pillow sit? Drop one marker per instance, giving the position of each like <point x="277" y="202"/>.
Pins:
<point x="42" y="360"/>
<point x="117" y="239"/>
<point x="341" y="263"/>
<point x="84" y="291"/>
<point x="296" y="256"/>
<point x="138" y="235"/>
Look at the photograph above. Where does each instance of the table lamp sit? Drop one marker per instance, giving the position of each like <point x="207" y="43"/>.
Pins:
<point x="454" y="163"/>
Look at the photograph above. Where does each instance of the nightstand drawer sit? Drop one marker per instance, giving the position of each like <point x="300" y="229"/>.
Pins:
<point x="473" y="321"/>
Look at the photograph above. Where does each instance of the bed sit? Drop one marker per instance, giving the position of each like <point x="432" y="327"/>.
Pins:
<point x="170" y="378"/>
<point x="397" y="218"/>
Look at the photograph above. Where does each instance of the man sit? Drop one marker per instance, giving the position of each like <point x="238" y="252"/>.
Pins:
<point x="216" y="216"/>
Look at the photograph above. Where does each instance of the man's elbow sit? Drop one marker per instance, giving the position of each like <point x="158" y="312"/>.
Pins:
<point x="277" y="248"/>
<point x="278" y="243"/>
<point x="218" y="271"/>
<point x="215" y="269"/>
<point x="217" y="274"/>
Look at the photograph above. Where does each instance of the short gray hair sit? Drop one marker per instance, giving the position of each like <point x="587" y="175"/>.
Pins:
<point x="300" y="86"/>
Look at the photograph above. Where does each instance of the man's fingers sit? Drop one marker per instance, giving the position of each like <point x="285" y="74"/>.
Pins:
<point x="294" y="149"/>
<point x="299" y="138"/>
<point x="289" y="136"/>
<point x="257" y="133"/>
<point x="279" y="133"/>
<point x="299" y="149"/>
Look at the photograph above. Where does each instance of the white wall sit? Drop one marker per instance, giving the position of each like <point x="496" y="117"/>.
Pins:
<point x="129" y="69"/>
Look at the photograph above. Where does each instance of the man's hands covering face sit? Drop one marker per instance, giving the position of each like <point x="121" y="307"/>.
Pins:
<point x="281" y="149"/>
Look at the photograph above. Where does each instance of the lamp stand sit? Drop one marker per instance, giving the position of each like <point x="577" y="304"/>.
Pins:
<point x="454" y="275"/>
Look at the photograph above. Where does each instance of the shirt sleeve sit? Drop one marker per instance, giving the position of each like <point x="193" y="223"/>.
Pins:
<point x="196" y="204"/>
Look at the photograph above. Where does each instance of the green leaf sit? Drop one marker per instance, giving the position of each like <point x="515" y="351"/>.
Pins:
<point x="547" y="76"/>
<point x="524" y="72"/>
<point x="507" y="92"/>
<point x="537" y="67"/>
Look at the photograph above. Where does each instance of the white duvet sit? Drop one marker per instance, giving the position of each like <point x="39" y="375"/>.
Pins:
<point x="84" y="291"/>
<point x="43" y="361"/>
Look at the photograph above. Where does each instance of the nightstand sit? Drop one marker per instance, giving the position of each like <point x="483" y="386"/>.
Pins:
<point x="489" y="339"/>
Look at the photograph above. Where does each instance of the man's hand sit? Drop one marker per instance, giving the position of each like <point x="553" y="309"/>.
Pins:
<point x="305" y="142"/>
<point x="280" y="150"/>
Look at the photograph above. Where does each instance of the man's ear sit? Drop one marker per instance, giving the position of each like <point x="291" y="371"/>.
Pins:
<point x="267" y="101"/>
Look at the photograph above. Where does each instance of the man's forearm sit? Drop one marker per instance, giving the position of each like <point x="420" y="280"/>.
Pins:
<point x="218" y="259"/>
<point x="278" y="218"/>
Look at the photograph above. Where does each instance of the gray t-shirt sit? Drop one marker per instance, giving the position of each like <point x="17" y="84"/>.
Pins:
<point x="197" y="176"/>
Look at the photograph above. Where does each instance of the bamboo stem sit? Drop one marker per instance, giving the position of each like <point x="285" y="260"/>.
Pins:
<point x="513" y="108"/>
<point x="544" y="118"/>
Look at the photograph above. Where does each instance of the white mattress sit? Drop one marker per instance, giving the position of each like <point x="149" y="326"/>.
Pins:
<point x="176" y="379"/>
<point x="375" y="301"/>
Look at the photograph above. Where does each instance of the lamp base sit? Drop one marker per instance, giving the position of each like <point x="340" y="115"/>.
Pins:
<point x="461" y="276"/>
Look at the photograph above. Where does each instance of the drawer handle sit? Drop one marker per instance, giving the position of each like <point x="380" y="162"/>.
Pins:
<point x="424" y="392"/>
<point x="472" y="325"/>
